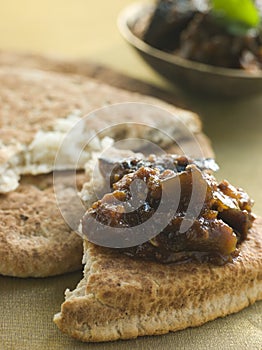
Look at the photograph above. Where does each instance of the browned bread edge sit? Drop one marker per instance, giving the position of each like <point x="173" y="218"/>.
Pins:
<point x="122" y="298"/>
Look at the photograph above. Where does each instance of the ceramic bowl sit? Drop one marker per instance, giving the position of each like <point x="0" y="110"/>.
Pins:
<point x="186" y="73"/>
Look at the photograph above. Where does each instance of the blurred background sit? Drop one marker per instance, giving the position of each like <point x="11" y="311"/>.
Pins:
<point x="87" y="29"/>
<point x="73" y="28"/>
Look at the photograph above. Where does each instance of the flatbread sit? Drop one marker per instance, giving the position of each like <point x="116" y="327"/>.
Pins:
<point x="38" y="108"/>
<point x="40" y="101"/>
<point x="122" y="298"/>
<point x="35" y="241"/>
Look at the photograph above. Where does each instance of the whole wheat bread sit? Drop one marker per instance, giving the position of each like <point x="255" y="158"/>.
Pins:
<point x="35" y="241"/>
<point x="121" y="298"/>
<point x="38" y="108"/>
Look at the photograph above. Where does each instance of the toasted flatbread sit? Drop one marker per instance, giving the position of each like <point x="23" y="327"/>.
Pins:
<point x="38" y="105"/>
<point x="38" y="108"/>
<point x="35" y="241"/>
<point x="121" y="297"/>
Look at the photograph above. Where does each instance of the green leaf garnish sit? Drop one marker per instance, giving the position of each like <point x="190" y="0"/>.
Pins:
<point x="241" y="11"/>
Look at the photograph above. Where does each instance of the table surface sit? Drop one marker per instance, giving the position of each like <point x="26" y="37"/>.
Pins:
<point x="87" y="29"/>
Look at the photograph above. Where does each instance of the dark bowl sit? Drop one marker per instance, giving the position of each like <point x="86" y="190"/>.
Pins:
<point x="186" y="73"/>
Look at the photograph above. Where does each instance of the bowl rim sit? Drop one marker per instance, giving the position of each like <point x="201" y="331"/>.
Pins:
<point x="131" y="13"/>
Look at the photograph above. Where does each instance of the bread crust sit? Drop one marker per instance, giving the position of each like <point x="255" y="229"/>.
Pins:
<point x="35" y="241"/>
<point x="122" y="298"/>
